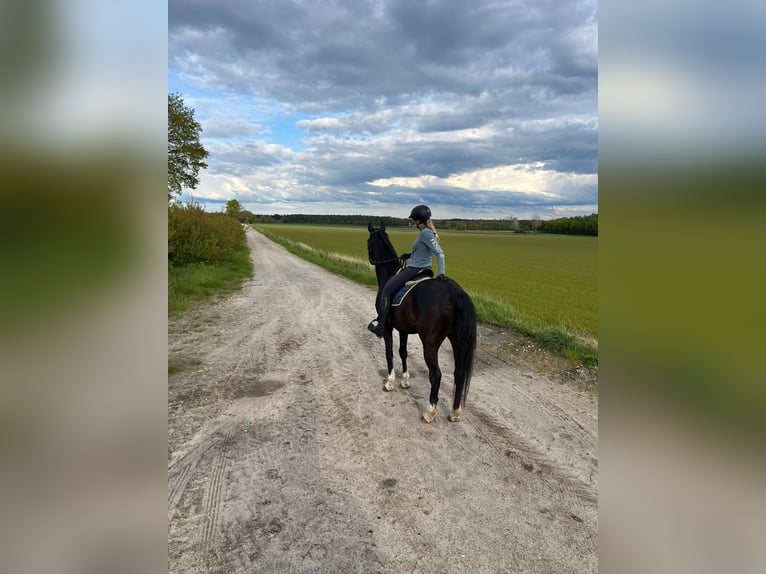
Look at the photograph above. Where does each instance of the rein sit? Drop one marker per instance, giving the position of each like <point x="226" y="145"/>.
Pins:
<point x="380" y="261"/>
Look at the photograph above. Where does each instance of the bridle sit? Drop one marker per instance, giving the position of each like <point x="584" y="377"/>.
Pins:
<point x="380" y="261"/>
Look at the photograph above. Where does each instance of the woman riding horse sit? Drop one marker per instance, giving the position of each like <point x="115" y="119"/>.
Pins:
<point x="425" y="248"/>
<point x="434" y="310"/>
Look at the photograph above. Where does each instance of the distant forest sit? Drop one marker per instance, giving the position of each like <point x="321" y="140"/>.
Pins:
<point x="577" y="225"/>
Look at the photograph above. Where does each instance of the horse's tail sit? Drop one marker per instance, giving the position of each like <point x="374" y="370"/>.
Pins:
<point x="463" y="339"/>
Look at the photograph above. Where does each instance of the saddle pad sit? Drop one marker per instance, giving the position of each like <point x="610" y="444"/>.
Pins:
<point x="402" y="293"/>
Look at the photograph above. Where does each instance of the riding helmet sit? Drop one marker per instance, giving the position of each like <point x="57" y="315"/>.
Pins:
<point x="420" y="213"/>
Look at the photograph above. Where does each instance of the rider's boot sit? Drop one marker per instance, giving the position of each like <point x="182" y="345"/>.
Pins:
<point x="385" y="305"/>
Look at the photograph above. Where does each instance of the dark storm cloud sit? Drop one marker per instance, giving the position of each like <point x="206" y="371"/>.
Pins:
<point x="326" y="54"/>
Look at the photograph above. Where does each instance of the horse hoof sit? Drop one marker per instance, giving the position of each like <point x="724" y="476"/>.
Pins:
<point x="455" y="416"/>
<point x="390" y="380"/>
<point x="405" y="382"/>
<point x="430" y="414"/>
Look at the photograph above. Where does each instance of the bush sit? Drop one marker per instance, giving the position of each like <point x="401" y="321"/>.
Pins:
<point x="195" y="236"/>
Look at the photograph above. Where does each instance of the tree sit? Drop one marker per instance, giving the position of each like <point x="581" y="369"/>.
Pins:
<point x="233" y="208"/>
<point x="185" y="152"/>
<point x="246" y="216"/>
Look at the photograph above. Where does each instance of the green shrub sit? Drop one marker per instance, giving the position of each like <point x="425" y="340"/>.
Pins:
<point x="195" y="236"/>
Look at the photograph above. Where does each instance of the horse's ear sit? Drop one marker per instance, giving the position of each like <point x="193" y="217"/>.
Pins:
<point x="369" y="226"/>
<point x="382" y="225"/>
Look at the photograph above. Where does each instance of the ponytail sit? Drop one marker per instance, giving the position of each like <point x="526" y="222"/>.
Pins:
<point x="430" y="226"/>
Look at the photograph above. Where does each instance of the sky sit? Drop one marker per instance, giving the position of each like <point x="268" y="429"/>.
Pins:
<point x="479" y="109"/>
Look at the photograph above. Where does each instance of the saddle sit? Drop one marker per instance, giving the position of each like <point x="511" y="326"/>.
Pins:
<point x="423" y="275"/>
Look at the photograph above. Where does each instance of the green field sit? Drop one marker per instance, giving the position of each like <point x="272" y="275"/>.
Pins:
<point x="531" y="282"/>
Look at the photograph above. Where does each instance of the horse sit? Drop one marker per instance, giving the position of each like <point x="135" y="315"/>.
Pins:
<point x="434" y="310"/>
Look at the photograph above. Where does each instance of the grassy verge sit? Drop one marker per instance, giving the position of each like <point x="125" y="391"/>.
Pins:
<point x="554" y="339"/>
<point x="551" y="278"/>
<point x="340" y="264"/>
<point x="198" y="281"/>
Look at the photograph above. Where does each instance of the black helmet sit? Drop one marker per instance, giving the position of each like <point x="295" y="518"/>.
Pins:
<point x="420" y="213"/>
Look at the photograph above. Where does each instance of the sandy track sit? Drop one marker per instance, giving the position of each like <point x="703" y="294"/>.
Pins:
<point x="285" y="454"/>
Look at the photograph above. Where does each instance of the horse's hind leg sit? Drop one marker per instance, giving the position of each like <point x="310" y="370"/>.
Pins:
<point x="457" y="409"/>
<point x="455" y="415"/>
<point x="405" y="384"/>
<point x="435" y="377"/>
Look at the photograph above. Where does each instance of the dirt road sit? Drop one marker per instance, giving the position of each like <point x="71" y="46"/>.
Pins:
<point x="286" y="455"/>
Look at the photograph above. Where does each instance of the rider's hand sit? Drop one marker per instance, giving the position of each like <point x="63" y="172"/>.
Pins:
<point x="442" y="277"/>
<point x="405" y="256"/>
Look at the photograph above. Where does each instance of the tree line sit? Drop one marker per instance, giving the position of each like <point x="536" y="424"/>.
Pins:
<point x="577" y="225"/>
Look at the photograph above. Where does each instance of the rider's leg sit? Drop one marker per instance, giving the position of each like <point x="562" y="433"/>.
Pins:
<point x="389" y="289"/>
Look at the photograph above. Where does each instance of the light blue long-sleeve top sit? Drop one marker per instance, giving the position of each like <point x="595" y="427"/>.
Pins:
<point x="425" y="248"/>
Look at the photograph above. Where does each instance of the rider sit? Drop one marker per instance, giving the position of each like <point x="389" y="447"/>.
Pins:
<point x="425" y="248"/>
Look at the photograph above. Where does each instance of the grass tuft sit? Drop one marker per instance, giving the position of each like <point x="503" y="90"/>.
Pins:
<point x="197" y="281"/>
<point x="556" y="340"/>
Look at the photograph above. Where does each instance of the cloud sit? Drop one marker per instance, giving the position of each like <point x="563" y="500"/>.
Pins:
<point x="528" y="179"/>
<point x="305" y="105"/>
<point x="218" y="127"/>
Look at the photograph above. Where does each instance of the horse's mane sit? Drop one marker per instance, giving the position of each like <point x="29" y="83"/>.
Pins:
<point x="389" y="245"/>
<point x="382" y="236"/>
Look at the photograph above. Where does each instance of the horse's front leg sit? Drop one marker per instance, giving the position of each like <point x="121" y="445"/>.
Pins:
<point x="405" y="384"/>
<point x="389" y="341"/>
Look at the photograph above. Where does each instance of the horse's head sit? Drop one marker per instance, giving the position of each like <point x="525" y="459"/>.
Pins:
<point x="372" y="229"/>
<point x="379" y="248"/>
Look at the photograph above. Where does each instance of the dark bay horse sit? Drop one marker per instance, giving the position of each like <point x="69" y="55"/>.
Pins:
<point x="435" y="310"/>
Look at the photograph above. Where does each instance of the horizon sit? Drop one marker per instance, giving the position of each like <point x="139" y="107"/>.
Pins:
<point x="222" y="206"/>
